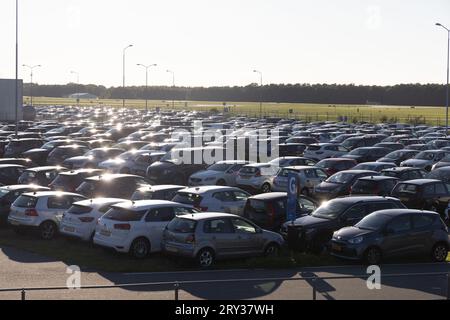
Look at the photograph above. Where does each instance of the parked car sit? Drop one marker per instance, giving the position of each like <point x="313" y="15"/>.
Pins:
<point x="423" y="194"/>
<point x="340" y="184"/>
<point x="313" y="232"/>
<point x="158" y="192"/>
<point x="16" y="147"/>
<point x="291" y="149"/>
<point x="362" y="141"/>
<point x="256" y="177"/>
<point x="389" y="233"/>
<point x="425" y="159"/>
<point x="377" y="185"/>
<point x="223" y="173"/>
<point x="442" y="174"/>
<point x="334" y="165"/>
<point x="374" y="166"/>
<point x="214" y="199"/>
<point x="283" y="162"/>
<point x="10" y="173"/>
<point x="92" y="158"/>
<point x="308" y="178"/>
<point x="41" y="211"/>
<point x="269" y="210"/>
<point x="70" y="180"/>
<point x="8" y="194"/>
<point x="444" y="162"/>
<point x="367" y="154"/>
<point x="137" y="227"/>
<point x="399" y="156"/>
<point x="322" y="151"/>
<point x="132" y="162"/>
<point x="80" y="220"/>
<point x="208" y="237"/>
<point x="41" y="176"/>
<point x="390" y="145"/>
<point x="111" y="186"/>
<point x="405" y="173"/>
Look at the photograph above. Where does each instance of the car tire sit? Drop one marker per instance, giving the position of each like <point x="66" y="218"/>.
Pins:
<point x="48" y="230"/>
<point x="221" y="182"/>
<point x="439" y="252"/>
<point x="372" y="256"/>
<point x="272" y="250"/>
<point x="205" y="258"/>
<point x="140" y="248"/>
<point x="266" y="188"/>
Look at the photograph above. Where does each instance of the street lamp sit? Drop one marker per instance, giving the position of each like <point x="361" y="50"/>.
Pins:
<point x="16" y="99"/>
<point x="261" y="98"/>
<point x="173" y="86"/>
<point x="124" y="51"/>
<point x="146" y="81"/>
<point x="31" y="76"/>
<point x="448" y="72"/>
<point x="78" y="86"/>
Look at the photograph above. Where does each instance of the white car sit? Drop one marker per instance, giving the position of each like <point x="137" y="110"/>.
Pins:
<point x="137" y="227"/>
<point x="308" y="179"/>
<point x="222" y="173"/>
<point x="257" y="177"/>
<point x="133" y="162"/>
<point x="41" y="210"/>
<point x="81" y="218"/>
<point x="320" y="151"/>
<point x="214" y="199"/>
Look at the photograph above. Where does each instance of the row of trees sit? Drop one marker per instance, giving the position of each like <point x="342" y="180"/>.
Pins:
<point x="403" y="94"/>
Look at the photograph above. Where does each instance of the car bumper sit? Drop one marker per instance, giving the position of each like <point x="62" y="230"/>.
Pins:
<point x="77" y="231"/>
<point x="346" y="251"/>
<point x="179" y="249"/>
<point x="111" y="243"/>
<point x="23" y="221"/>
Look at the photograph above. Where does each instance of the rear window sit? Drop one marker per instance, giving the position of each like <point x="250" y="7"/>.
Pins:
<point x="142" y="195"/>
<point x="405" y="188"/>
<point x="249" y="170"/>
<point x="188" y="198"/>
<point x="257" y="205"/>
<point x="180" y="225"/>
<point x="87" y="187"/>
<point x="78" y="209"/>
<point x="119" y="214"/>
<point x="26" y="202"/>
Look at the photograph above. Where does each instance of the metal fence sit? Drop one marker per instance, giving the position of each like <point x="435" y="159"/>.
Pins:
<point x="178" y="285"/>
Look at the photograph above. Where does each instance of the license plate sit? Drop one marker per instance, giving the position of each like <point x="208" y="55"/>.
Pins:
<point x="69" y="229"/>
<point x="336" y="247"/>
<point x="105" y="233"/>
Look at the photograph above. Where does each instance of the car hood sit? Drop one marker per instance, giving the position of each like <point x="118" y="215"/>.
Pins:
<point x="415" y="162"/>
<point x="310" y="222"/>
<point x="205" y="174"/>
<point x="350" y="233"/>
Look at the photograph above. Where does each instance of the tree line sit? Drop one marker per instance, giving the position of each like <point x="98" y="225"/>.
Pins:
<point x="402" y="94"/>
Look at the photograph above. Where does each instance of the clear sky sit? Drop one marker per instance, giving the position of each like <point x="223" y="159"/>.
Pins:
<point x="220" y="42"/>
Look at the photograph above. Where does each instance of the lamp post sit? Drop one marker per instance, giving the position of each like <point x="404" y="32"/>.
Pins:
<point x="78" y="86"/>
<point x="146" y="81"/>
<point x="173" y="86"/>
<point x="31" y="80"/>
<point x="124" y="52"/>
<point x="260" y="101"/>
<point x="448" y="74"/>
<point x="16" y="99"/>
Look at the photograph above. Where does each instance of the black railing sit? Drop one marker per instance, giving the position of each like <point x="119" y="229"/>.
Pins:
<point x="178" y="285"/>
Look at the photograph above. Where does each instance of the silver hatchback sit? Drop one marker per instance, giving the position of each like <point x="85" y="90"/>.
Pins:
<point x="209" y="236"/>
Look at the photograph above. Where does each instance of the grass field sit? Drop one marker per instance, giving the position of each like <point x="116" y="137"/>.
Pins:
<point x="309" y="112"/>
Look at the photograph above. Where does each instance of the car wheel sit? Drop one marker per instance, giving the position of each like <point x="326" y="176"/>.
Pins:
<point x="272" y="250"/>
<point x="140" y="248"/>
<point x="440" y="252"/>
<point x="205" y="258"/>
<point x="266" y="188"/>
<point x="372" y="256"/>
<point x="221" y="182"/>
<point x="48" y="230"/>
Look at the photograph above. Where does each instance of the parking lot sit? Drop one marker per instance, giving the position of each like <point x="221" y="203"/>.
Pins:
<point x="188" y="190"/>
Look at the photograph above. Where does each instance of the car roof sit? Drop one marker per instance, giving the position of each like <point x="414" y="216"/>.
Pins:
<point x="420" y="181"/>
<point x="52" y="193"/>
<point x="300" y="168"/>
<point x="146" y="204"/>
<point x="160" y="187"/>
<point x="11" y="165"/>
<point x="208" y="215"/>
<point x="400" y="212"/>
<point x="205" y="189"/>
<point x="80" y="171"/>
<point x="378" y="178"/>
<point x="47" y="168"/>
<point x="354" y="199"/>
<point x="401" y="169"/>
<point x="99" y="201"/>
<point x="269" y="196"/>
<point x="111" y="176"/>
<point x="25" y="187"/>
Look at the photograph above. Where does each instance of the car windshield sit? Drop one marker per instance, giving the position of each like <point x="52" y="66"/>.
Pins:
<point x="120" y="214"/>
<point x="425" y="156"/>
<point x="330" y="210"/>
<point x="373" y="222"/>
<point x="341" y="178"/>
<point x="219" y="167"/>
<point x="180" y="225"/>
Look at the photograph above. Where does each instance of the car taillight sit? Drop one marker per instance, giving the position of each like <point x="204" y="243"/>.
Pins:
<point x="86" y="219"/>
<point x="190" y="239"/>
<point x="122" y="226"/>
<point x="31" y="213"/>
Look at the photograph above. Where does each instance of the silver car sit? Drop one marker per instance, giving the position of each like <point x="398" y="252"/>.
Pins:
<point x="209" y="236"/>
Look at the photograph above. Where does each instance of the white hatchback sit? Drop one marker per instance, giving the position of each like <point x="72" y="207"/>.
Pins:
<point x="81" y="218"/>
<point x="42" y="211"/>
<point x="137" y="227"/>
<point x="320" y="151"/>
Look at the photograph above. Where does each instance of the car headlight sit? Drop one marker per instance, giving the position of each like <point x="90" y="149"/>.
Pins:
<point x="356" y="240"/>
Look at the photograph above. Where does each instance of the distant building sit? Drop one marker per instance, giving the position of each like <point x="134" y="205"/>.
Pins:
<point x="81" y="96"/>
